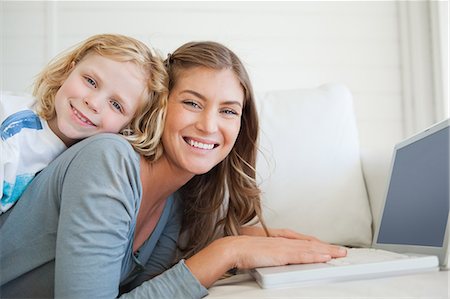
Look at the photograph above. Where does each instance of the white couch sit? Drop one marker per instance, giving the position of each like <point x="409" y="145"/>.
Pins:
<point x="313" y="181"/>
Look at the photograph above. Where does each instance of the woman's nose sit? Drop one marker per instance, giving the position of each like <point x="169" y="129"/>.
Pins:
<point x="207" y="122"/>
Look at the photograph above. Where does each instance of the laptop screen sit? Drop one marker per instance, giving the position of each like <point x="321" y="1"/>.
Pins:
<point x="417" y="203"/>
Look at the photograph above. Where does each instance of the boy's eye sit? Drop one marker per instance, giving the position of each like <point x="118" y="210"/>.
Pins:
<point x="116" y="105"/>
<point x="91" y="82"/>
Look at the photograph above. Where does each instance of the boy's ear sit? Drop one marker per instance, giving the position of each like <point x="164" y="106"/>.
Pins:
<point x="72" y="65"/>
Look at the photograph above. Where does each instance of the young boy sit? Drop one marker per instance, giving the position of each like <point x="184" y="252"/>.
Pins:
<point x="103" y="85"/>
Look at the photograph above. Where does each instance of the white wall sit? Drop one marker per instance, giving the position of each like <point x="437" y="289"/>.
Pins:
<point x="392" y="55"/>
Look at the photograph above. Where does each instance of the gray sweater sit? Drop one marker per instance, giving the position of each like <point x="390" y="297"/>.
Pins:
<point x="71" y="233"/>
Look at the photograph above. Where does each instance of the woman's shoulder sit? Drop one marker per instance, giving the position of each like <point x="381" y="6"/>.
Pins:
<point x="105" y="147"/>
<point x="105" y="137"/>
<point x="105" y="142"/>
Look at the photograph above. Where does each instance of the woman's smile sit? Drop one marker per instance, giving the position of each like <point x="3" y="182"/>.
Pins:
<point x="203" y="113"/>
<point x="199" y="144"/>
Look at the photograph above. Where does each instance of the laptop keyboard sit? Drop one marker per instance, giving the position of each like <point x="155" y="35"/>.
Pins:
<point x="366" y="255"/>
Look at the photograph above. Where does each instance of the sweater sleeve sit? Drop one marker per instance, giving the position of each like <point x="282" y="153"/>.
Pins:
<point x="177" y="282"/>
<point x="99" y="204"/>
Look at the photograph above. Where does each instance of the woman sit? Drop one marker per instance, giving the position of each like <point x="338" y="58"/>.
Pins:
<point x="108" y="218"/>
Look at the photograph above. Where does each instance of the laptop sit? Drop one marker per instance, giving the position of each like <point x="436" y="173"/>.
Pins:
<point x="413" y="231"/>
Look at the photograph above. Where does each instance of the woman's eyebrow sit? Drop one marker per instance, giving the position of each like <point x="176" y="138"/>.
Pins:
<point x="233" y="103"/>
<point x="193" y="92"/>
<point x="198" y="95"/>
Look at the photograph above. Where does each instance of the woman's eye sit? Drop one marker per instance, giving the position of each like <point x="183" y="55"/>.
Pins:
<point x="91" y="82"/>
<point x="192" y="104"/>
<point x="116" y="105"/>
<point x="230" y="112"/>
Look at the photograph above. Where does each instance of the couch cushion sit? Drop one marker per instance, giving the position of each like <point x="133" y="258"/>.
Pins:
<point x="309" y="166"/>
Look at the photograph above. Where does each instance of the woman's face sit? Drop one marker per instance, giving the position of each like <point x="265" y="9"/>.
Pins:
<point x="203" y="118"/>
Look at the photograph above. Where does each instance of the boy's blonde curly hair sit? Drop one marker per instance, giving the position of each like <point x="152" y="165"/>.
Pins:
<point x="145" y="129"/>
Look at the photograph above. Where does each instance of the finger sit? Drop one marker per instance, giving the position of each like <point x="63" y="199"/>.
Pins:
<point x="322" y="248"/>
<point x="335" y="251"/>
<point x="339" y="251"/>
<point x="252" y="231"/>
<point x="312" y="257"/>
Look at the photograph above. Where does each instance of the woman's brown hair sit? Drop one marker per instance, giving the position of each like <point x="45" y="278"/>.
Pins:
<point x="231" y="183"/>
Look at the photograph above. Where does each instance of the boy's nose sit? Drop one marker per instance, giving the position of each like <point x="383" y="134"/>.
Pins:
<point x="93" y="103"/>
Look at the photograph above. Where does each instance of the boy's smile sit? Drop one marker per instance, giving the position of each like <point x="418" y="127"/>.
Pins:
<point x="81" y="117"/>
<point x="100" y="95"/>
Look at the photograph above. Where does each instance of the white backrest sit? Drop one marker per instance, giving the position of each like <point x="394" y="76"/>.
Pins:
<point x="309" y="167"/>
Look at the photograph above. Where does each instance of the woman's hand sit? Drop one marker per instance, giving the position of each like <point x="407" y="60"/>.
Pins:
<point x="311" y="250"/>
<point x="252" y="252"/>
<point x="247" y="252"/>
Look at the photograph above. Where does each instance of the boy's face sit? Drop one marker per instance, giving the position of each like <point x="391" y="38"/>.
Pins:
<point x="100" y="95"/>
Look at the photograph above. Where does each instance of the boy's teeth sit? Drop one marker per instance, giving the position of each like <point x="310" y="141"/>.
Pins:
<point x="201" y="145"/>
<point x="85" y="120"/>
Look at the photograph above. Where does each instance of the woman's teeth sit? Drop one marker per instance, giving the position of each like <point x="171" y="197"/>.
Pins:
<point x="201" y="145"/>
